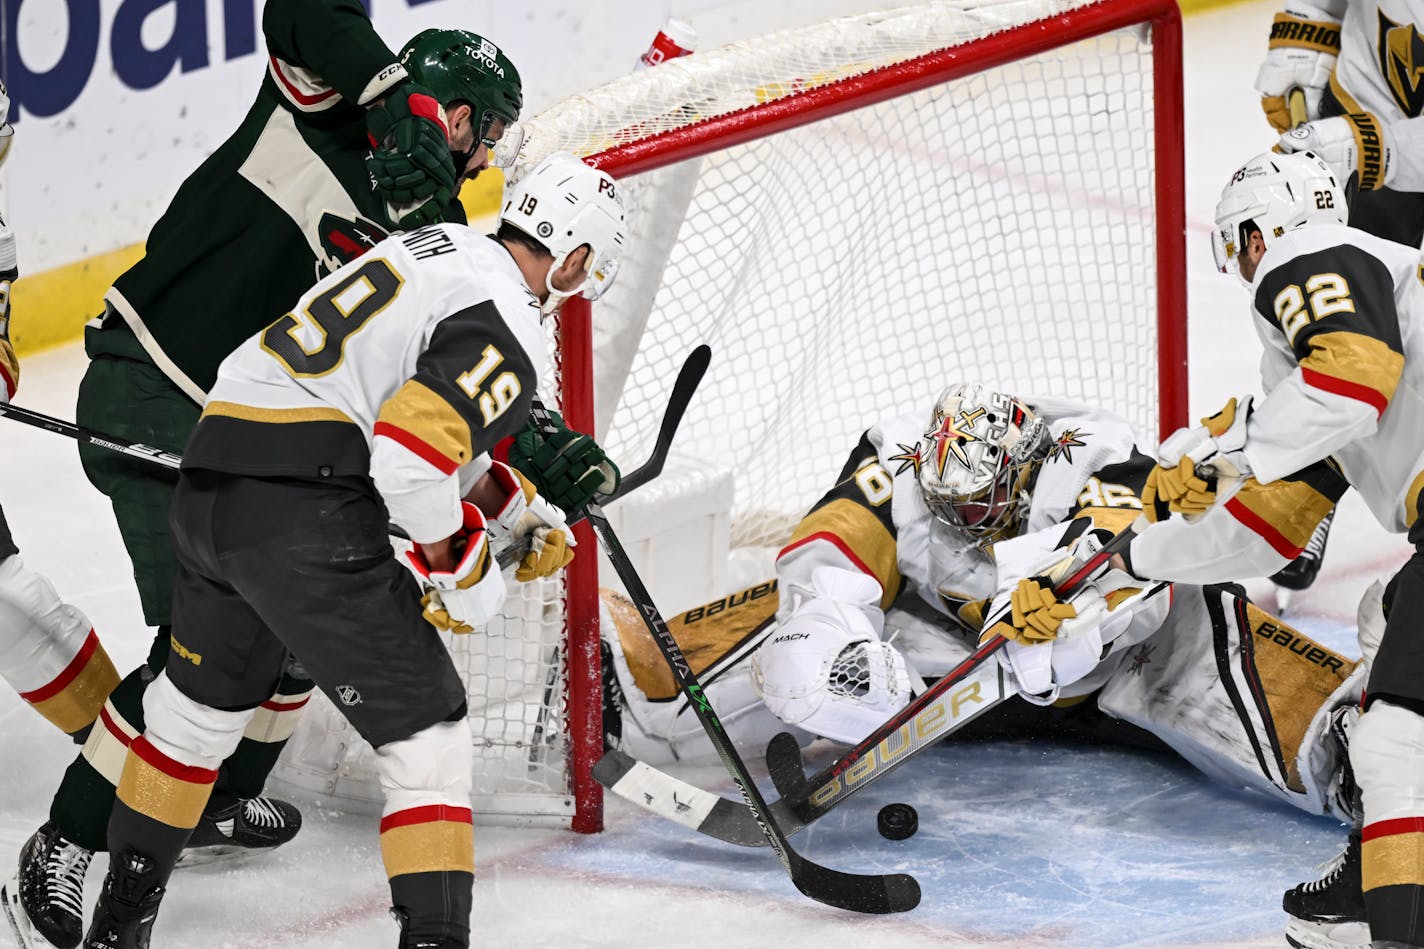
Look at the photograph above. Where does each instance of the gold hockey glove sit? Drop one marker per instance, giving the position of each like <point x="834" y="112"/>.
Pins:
<point x="1299" y="59"/>
<point x="1035" y="613"/>
<point x="1357" y="147"/>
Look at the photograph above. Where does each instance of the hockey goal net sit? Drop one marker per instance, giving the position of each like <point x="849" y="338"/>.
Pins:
<point x="853" y="215"/>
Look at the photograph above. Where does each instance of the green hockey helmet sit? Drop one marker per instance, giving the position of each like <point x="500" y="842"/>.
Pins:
<point x="460" y="66"/>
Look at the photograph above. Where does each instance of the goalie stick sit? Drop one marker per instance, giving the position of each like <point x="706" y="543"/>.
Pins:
<point x="861" y="893"/>
<point x="973" y="687"/>
<point x="688" y="378"/>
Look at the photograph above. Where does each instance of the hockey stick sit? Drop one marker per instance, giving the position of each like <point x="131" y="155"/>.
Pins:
<point x="88" y="437"/>
<point x="688" y="378"/>
<point x="973" y="687"/>
<point x="888" y="893"/>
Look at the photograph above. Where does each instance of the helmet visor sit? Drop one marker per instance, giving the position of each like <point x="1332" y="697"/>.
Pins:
<point x="600" y="278"/>
<point x="1224" y="249"/>
<point x="505" y="152"/>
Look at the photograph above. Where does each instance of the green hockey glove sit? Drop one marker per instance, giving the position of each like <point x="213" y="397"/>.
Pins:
<point x="410" y="148"/>
<point x="567" y="467"/>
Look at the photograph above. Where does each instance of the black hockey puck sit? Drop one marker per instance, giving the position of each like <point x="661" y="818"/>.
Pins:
<point x="897" y="821"/>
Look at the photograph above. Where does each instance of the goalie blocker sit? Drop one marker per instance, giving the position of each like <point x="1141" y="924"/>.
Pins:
<point x="1240" y="694"/>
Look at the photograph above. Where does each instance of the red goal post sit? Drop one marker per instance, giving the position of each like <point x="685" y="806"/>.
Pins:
<point x="1156" y="24"/>
<point x="853" y="215"/>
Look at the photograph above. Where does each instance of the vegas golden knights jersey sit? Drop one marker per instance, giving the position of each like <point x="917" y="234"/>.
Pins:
<point x="1340" y="314"/>
<point x="875" y="521"/>
<point x="1378" y="71"/>
<point x="406" y="365"/>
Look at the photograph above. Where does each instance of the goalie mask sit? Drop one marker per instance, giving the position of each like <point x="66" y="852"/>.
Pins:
<point x="978" y="460"/>
<point x="1273" y="194"/>
<point x="563" y="204"/>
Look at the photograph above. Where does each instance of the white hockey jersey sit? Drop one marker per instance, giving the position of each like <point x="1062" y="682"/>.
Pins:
<point x="1341" y="315"/>
<point x="406" y="366"/>
<point x="874" y="520"/>
<point x="1377" y="71"/>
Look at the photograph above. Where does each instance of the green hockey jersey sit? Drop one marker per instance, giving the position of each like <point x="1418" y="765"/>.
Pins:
<point x="286" y="199"/>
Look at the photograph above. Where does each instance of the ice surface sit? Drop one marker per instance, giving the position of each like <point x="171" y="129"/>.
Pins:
<point x="1019" y="845"/>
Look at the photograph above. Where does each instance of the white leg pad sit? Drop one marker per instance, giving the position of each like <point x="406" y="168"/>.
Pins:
<point x="430" y="767"/>
<point x="40" y="634"/>
<point x="1387" y="752"/>
<point x="187" y="731"/>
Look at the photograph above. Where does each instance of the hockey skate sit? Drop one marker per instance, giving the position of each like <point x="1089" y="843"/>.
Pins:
<point x="247" y="825"/>
<point x="1301" y="572"/>
<point x="1329" y="913"/>
<point x="408" y="941"/>
<point x="128" y="904"/>
<point x="44" y="900"/>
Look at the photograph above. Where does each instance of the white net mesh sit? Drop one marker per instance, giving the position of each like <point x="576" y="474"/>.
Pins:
<point x="997" y="228"/>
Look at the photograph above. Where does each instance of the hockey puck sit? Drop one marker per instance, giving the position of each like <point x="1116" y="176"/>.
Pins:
<point x="897" y="821"/>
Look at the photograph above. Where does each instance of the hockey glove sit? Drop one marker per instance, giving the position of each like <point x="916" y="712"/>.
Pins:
<point x="525" y="514"/>
<point x="9" y="271"/>
<point x="466" y="597"/>
<point x="568" y="468"/>
<point x="410" y="154"/>
<point x="1194" y="462"/>
<point x="1356" y="147"/>
<point x="1301" y="55"/>
<point x="1035" y="613"/>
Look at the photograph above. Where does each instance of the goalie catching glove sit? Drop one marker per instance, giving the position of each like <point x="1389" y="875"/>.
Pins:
<point x="567" y="467"/>
<point x="525" y="514"/>
<point x="1301" y="55"/>
<point x="1193" y="463"/>
<point x="410" y="154"/>
<point x="461" y="599"/>
<point x="1357" y="148"/>
<point x="1054" y="643"/>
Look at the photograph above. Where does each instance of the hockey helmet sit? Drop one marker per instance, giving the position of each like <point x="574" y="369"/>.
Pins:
<point x="563" y="204"/>
<point x="978" y="460"/>
<point x="1273" y="193"/>
<point x="460" y="66"/>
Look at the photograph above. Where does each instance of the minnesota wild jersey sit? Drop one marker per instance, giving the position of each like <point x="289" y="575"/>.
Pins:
<point x="405" y="366"/>
<point x="282" y="201"/>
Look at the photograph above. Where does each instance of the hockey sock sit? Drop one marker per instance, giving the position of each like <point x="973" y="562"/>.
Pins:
<point x="81" y="805"/>
<point x="245" y="771"/>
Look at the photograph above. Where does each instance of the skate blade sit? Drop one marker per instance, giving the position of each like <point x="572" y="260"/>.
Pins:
<point x="25" y="935"/>
<point x="1344" y="935"/>
<point x="220" y="853"/>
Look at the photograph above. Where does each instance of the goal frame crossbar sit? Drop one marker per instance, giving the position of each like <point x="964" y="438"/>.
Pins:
<point x="817" y="102"/>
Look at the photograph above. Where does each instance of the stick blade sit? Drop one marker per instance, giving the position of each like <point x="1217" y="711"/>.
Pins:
<point x="784" y="763"/>
<point x="857" y="892"/>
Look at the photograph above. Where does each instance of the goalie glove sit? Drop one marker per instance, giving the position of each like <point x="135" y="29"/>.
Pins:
<point x="466" y="597"/>
<point x="1357" y="147"/>
<point x="1049" y="659"/>
<point x="825" y="669"/>
<point x="1195" y="464"/>
<point x="525" y="514"/>
<point x="567" y="467"/>
<point x="1301" y="56"/>
<point x="410" y="154"/>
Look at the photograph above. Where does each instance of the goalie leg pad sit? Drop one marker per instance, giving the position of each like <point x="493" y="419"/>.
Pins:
<point x="49" y="652"/>
<point x="825" y="670"/>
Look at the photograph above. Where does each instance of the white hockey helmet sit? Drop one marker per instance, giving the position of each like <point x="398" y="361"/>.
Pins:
<point x="978" y="460"/>
<point x="1273" y="193"/>
<point x="563" y="204"/>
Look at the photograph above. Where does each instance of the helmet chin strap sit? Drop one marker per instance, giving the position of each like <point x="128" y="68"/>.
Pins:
<point x="557" y="297"/>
